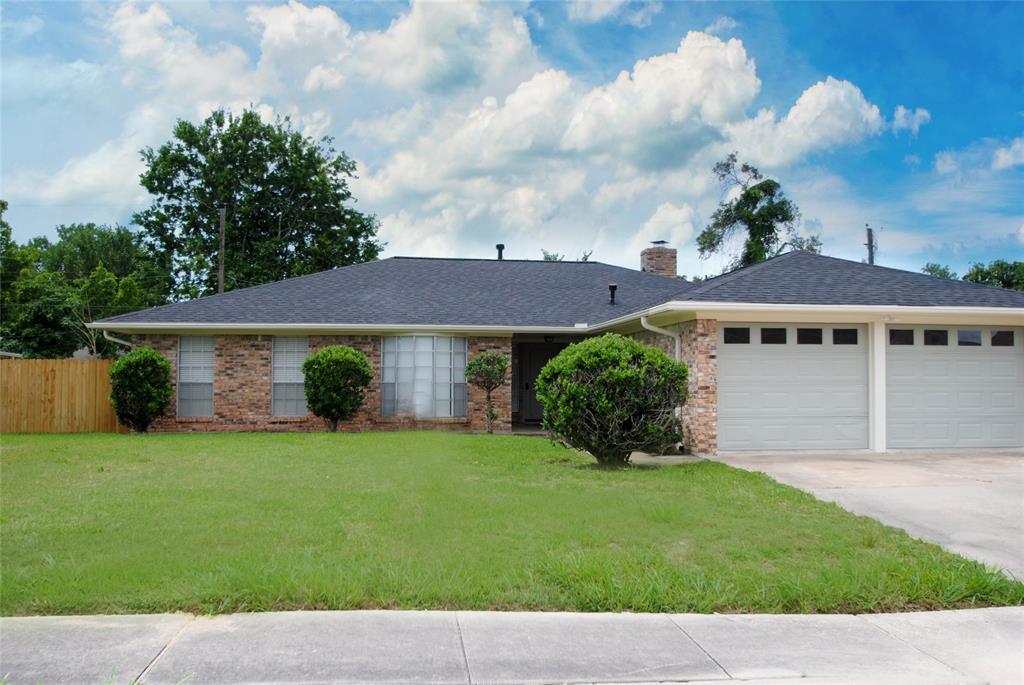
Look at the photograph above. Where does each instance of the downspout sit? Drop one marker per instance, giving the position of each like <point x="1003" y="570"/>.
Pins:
<point x="664" y="331"/>
<point x="119" y="341"/>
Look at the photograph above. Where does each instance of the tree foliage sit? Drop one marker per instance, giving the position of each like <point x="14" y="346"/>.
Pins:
<point x="39" y="316"/>
<point x="612" y="396"/>
<point x="289" y="208"/>
<point x="758" y="207"/>
<point x="80" y="248"/>
<point x="100" y="295"/>
<point x="999" y="273"/>
<point x="336" y="379"/>
<point x="488" y="372"/>
<point x="140" y="387"/>
<point x="559" y="257"/>
<point x="939" y="271"/>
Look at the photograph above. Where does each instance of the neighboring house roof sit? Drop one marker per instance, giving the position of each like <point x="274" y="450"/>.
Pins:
<point x="411" y="291"/>
<point x="425" y="291"/>
<point x="805" y="278"/>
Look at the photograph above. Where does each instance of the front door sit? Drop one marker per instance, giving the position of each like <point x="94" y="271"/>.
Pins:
<point x="534" y="357"/>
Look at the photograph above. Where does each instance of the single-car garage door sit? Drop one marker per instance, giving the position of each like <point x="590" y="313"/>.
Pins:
<point x="949" y="386"/>
<point x="792" y="386"/>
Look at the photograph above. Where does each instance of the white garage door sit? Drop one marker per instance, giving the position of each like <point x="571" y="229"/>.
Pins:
<point x="792" y="386"/>
<point x="955" y="386"/>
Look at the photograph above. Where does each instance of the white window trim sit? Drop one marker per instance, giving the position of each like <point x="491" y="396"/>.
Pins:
<point x="178" y="381"/>
<point x="452" y="383"/>
<point x="273" y="380"/>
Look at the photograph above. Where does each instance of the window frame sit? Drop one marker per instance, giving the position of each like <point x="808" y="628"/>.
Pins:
<point x="392" y="405"/>
<point x="181" y="384"/>
<point x="274" y="382"/>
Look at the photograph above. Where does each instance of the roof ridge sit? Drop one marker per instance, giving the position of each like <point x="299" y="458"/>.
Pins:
<point x="710" y="284"/>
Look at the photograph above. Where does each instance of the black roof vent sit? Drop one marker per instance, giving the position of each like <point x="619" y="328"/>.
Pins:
<point x="501" y="248"/>
<point x="612" y="287"/>
<point x="659" y="242"/>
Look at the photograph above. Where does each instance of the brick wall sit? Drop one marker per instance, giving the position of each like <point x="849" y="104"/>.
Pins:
<point x="700" y="414"/>
<point x="242" y="380"/>
<point x="699" y="351"/>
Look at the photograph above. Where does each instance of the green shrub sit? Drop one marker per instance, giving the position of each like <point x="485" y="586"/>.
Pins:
<point x="487" y="371"/>
<point x="612" y="395"/>
<point x="140" y="387"/>
<point x="336" y="381"/>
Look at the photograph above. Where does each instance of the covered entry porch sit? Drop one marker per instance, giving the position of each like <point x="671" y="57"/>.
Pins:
<point x="529" y="355"/>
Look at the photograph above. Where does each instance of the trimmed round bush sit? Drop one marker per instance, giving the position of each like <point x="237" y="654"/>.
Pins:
<point x="140" y="387"/>
<point x="487" y="371"/>
<point x="336" y="381"/>
<point x="611" y="396"/>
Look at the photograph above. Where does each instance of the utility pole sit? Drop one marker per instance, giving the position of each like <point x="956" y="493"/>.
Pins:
<point x="220" y="256"/>
<point x="870" y="243"/>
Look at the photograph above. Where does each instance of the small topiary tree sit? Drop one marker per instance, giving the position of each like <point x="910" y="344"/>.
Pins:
<point x="611" y="396"/>
<point x="336" y="381"/>
<point x="140" y="387"/>
<point x="487" y="371"/>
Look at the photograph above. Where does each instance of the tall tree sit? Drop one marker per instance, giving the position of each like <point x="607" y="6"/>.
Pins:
<point x="289" y="208"/>
<point x="98" y="296"/>
<point x="39" y="319"/>
<point x="938" y="270"/>
<point x="758" y="207"/>
<point x="81" y="248"/>
<point x="998" y="272"/>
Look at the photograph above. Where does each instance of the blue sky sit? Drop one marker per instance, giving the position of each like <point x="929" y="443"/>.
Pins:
<point x="566" y="126"/>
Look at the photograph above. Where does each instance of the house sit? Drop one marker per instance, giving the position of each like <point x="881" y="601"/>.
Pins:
<point x="799" y="352"/>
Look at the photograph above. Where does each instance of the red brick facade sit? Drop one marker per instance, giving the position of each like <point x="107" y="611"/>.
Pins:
<point x="700" y="352"/>
<point x="242" y="380"/>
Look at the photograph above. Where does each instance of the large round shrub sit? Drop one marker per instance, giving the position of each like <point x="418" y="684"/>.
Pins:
<point x="611" y="396"/>
<point x="336" y="381"/>
<point x="140" y="387"/>
<point x="488" y="371"/>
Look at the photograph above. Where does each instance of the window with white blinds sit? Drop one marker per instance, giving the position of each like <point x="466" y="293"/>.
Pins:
<point x="423" y="376"/>
<point x="195" y="375"/>
<point x="289" y="396"/>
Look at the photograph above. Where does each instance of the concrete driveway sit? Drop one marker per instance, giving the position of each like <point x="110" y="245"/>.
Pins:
<point x="969" y="501"/>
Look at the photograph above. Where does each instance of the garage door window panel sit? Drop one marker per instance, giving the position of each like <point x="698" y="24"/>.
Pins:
<point x="737" y="336"/>
<point x="808" y="336"/>
<point x="844" y="336"/>
<point x="1002" y="339"/>
<point x="901" y="336"/>
<point x="773" y="336"/>
<point x="936" y="337"/>
<point x="968" y="338"/>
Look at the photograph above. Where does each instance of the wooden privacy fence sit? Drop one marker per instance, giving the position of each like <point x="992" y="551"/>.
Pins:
<point x="56" y="396"/>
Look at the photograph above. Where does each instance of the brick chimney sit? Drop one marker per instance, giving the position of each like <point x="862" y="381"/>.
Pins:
<point x="659" y="259"/>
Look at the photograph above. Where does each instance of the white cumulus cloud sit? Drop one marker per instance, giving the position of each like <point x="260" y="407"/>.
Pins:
<point x="904" y="119"/>
<point x="721" y="25"/>
<point x="1008" y="156"/>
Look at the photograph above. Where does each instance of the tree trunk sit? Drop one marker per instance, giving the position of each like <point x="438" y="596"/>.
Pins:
<point x="490" y="414"/>
<point x="332" y="425"/>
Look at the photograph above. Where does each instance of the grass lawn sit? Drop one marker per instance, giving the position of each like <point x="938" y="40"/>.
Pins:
<point x="246" y="522"/>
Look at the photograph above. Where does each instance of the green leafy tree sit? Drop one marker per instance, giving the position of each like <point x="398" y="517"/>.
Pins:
<point x="939" y="270"/>
<point x="140" y="388"/>
<point x="336" y="379"/>
<point x="999" y="272"/>
<point x="488" y="372"/>
<point x="98" y="296"/>
<point x="760" y="209"/>
<point x="612" y="396"/>
<point x="289" y="208"/>
<point x="39" y="318"/>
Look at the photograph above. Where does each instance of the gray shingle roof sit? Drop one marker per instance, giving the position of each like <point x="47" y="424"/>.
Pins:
<point x="534" y="294"/>
<point x="424" y="291"/>
<point x="805" y="278"/>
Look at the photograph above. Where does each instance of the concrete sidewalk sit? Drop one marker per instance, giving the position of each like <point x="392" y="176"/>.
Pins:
<point x="972" y="646"/>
